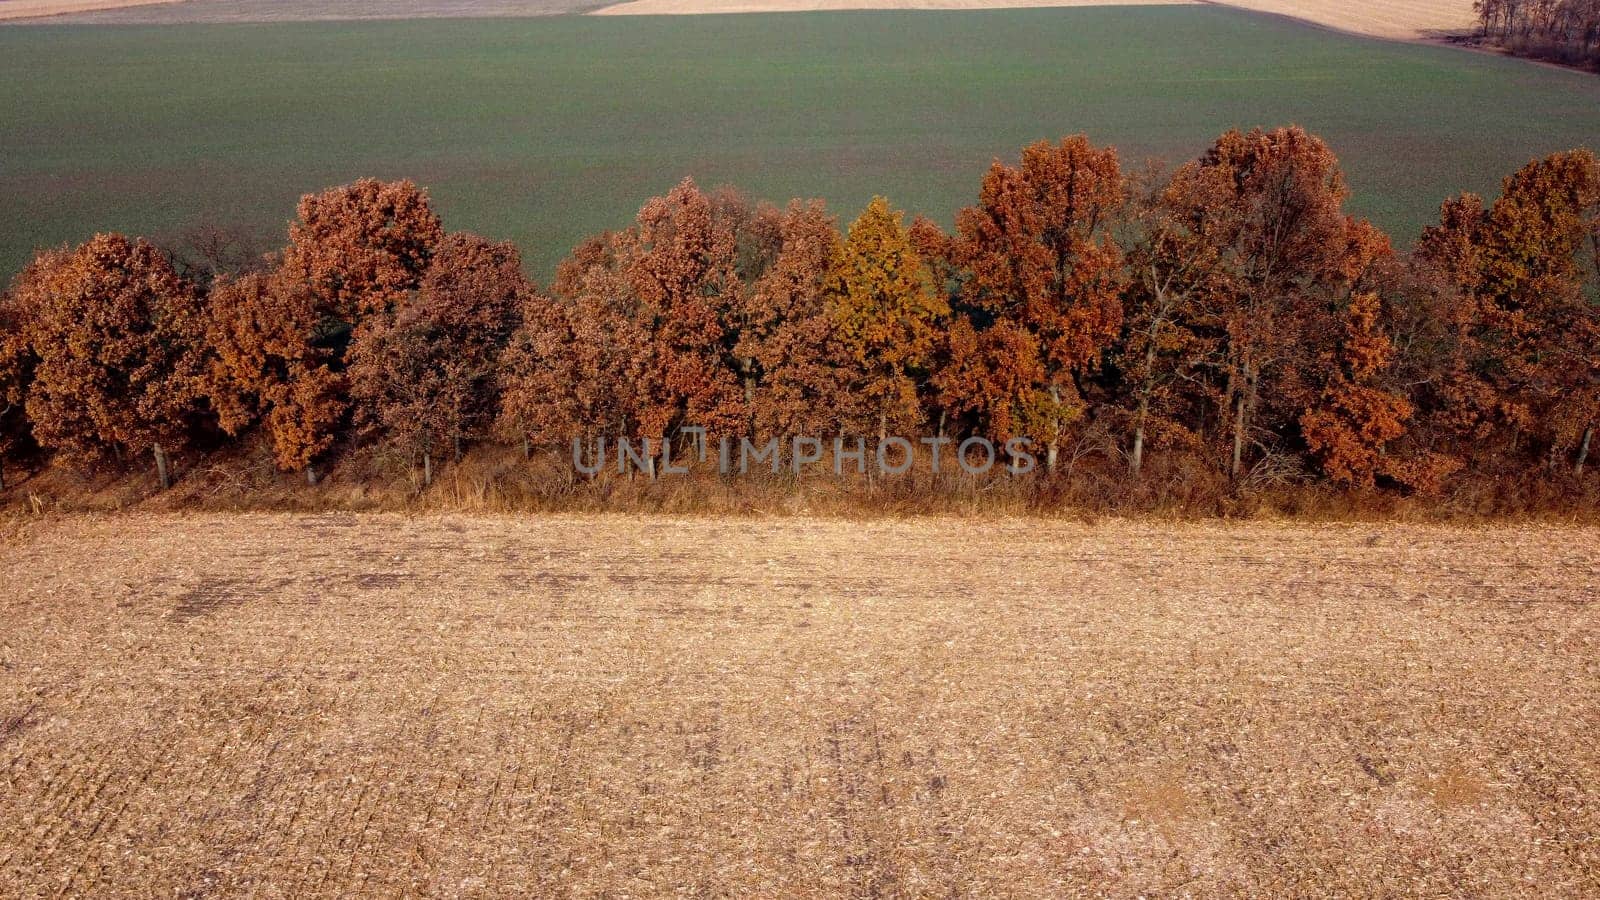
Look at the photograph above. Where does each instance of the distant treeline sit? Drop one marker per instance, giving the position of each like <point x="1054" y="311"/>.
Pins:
<point x="1566" y="31"/>
<point x="1225" y="322"/>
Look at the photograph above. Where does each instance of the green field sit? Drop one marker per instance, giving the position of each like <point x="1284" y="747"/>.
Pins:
<point x="545" y="130"/>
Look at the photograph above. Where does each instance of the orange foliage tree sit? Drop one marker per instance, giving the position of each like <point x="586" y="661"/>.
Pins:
<point x="644" y="326"/>
<point x="1453" y="364"/>
<point x="1159" y="353"/>
<point x="1521" y="278"/>
<point x="268" y="364"/>
<point x="657" y="328"/>
<point x="538" y="381"/>
<point x="680" y="264"/>
<point x="1040" y="281"/>
<point x="362" y="246"/>
<point x="993" y="376"/>
<point x="1354" y="416"/>
<point x="279" y="338"/>
<point x="16" y="374"/>
<point x="424" y="374"/>
<point x="1263" y="212"/>
<point x="114" y="332"/>
<point x="1538" y="294"/>
<point x="797" y="364"/>
<point x="575" y="367"/>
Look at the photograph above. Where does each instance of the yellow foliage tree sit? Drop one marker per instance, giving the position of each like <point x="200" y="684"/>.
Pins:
<point x="888" y="312"/>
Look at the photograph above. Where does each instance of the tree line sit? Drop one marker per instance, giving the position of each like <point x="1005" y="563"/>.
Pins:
<point x="1566" y="31"/>
<point x="1227" y="318"/>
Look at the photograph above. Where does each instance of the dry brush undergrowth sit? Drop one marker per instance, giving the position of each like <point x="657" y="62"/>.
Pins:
<point x="499" y="479"/>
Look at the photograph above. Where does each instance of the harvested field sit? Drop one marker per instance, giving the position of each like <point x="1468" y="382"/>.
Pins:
<point x="1400" y="19"/>
<point x="1396" y="19"/>
<point x="471" y="706"/>
<point x="28" y="9"/>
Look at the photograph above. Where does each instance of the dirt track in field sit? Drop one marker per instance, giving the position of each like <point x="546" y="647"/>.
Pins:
<point x="346" y="704"/>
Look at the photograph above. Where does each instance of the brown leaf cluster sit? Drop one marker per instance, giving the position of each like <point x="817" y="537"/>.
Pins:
<point x="114" y="336"/>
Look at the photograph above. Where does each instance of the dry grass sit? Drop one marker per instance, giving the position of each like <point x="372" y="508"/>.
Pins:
<point x="381" y="705"/>
<point x="1399" y="19"/>
<point x="26" y="9"/>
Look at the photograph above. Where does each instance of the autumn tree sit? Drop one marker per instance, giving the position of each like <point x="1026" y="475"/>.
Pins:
<point x="1039" y="269"/>
<point x="16" y="375"/>
<point x="362" y="246"/>
<point x="267" y="364"/>
<point x="887" y="311"/>
<point x="114" y="332"/>
<point x="1519" y="278"/>
<point x="789" y="345"/>
<point x="680" y="265"/>
<point x="1263" y="211"/>
<point x="279" y="337"/>
<point x="646" y="326"/>
<point x="993" y="376"/>
<point x="537" y="379"/>
<point x="424" y="375"/>
<point x="1449" y="359"/>
<point x="1157" y="358"/>
<point x="1539" y="294"/>
<point x="576" y="366"/>
<point x="1354" y="415"/>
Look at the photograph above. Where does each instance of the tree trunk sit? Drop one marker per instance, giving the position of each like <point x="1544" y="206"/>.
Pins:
<point x="311" y="475"/>
<point x="1238" y="439"/>
<point x="458" y="449"/>
<point x="1136" y="458"/>
<point x="1241" y="420"/>
<point x="161" y="467"/>
<point x="747" y="369"/>
<point x="3" y="474"/>
<point x="1583" y="451"/>
<point x="427" y="469"/>
<point x="883" y="425"/>
<point x="1054" y="449"/>
<point x="527" y="448"/>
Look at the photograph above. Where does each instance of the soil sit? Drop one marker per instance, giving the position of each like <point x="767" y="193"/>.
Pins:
<point x="640" y="706"/>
